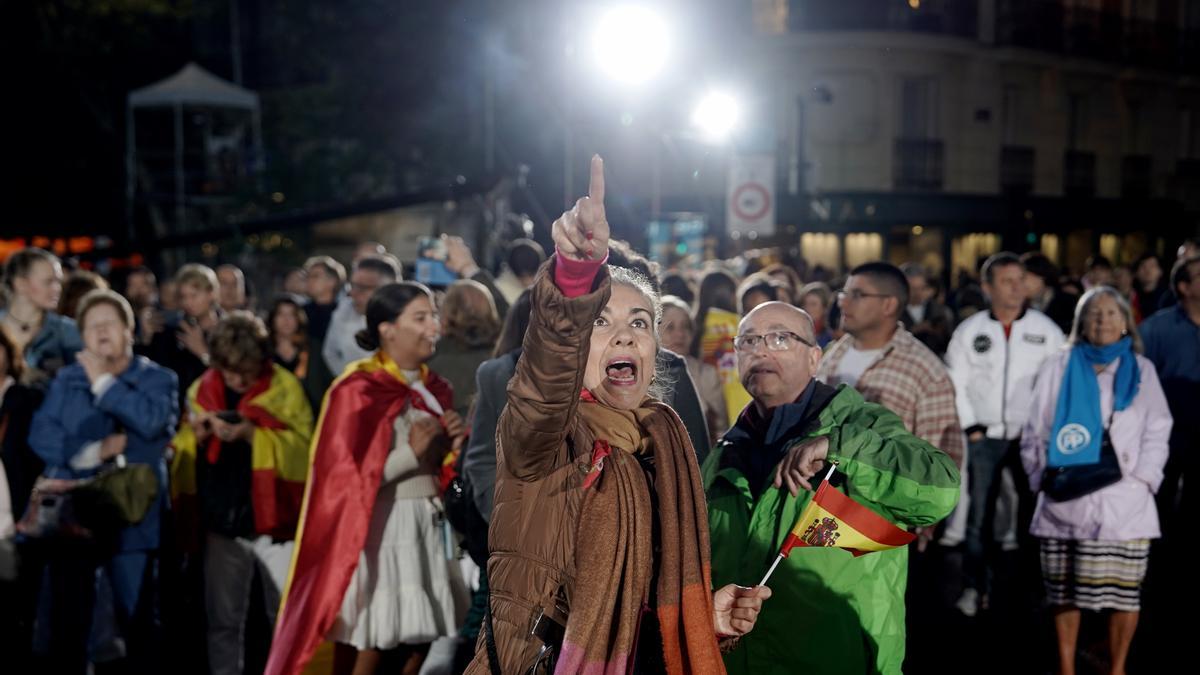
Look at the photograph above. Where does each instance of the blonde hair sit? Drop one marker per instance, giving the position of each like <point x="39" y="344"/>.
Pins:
<point x="200" y="276"/>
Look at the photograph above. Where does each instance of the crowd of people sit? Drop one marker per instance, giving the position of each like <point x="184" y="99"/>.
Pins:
<point x="583" y="463"/>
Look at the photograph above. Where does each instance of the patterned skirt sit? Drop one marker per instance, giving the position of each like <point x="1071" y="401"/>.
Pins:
<point x="1095" y="575"/>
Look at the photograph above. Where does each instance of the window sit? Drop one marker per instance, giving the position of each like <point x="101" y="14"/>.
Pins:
<point x="1134" y="130"/>
<point x="1076" y="120"/>
<point x="1189" y="139"/>
<point x="918" y="108"/>
<point x="1012" y="115"/>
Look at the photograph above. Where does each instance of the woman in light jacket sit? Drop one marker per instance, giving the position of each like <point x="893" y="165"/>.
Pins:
<point x="1094" y="548"/>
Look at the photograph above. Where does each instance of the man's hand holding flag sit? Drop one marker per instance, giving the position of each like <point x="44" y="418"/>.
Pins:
<point x="831" y="519"/>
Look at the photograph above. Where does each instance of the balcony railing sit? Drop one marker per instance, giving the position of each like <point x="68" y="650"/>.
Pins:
<point x="1079" y="173"/>
<point x="945" y="17"/>
<point x="918" y="164"/>
<point x="1137" y="174"/>
<point x="1095" y="34"/>
<point x="1016" y="169"/>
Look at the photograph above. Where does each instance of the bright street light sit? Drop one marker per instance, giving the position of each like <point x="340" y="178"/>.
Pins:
<point x="716" y="115"/>
<point x="631" y="43"/>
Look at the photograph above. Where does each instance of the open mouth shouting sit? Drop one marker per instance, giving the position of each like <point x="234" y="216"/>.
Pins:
<point x="622" y="371"/>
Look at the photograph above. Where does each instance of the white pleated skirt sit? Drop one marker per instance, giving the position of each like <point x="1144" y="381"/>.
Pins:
<point x="404" y="590"/>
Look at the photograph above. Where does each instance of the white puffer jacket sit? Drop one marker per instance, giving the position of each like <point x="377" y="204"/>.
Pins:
<point x="993" y="376"/>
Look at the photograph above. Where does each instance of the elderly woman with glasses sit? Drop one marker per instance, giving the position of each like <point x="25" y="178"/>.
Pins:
<point x="1095" y="447"/>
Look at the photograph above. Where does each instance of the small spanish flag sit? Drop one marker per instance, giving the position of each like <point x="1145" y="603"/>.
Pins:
<point x="832" y="519"/>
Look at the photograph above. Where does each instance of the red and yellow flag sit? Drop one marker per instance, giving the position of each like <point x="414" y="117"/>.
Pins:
<point x="833" y="519"/>
<point x="283" y="425"/>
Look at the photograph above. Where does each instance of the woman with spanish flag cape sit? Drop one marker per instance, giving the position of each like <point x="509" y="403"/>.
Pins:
<point x="370" y="571"/>
<point x="237" y="480"/>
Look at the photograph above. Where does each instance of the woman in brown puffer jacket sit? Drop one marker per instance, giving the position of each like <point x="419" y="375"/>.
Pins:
<point x="599" y="535"/>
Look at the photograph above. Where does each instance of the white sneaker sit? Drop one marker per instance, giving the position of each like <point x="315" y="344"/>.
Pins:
<point x="968" y="603"/>
<point x="949" y="541"/>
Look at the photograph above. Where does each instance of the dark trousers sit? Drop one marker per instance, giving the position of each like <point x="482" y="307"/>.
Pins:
<point x="986" y="459"/>
<point x="70" y="578"/>
<point x="1176" y="509"/>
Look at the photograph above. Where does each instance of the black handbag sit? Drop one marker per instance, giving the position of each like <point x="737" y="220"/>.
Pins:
<point x="464" y="516"/>
<point x="1065" y="483"/>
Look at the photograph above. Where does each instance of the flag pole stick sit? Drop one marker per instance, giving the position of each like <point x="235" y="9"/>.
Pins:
<point x="779" y="558"/>
<point x="829" y="474"/>
<point x="771" y="571"/>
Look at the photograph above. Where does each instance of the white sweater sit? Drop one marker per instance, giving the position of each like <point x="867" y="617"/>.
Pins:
<point x="403" y="475"/>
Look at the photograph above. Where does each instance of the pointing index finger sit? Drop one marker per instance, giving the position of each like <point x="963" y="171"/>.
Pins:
<point x="596" y="184"/>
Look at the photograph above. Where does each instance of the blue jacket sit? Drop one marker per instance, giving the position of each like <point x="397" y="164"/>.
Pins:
<point x="1173" y="345"/>
<point x="143" y="401"/>
<point x="55" y="345"/>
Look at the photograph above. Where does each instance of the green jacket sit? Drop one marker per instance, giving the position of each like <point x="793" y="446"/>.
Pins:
<point x="830" y="612"/>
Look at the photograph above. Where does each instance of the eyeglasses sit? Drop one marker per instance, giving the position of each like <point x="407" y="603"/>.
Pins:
<point x="856" y="295"/>
<point x="776" y="341"/>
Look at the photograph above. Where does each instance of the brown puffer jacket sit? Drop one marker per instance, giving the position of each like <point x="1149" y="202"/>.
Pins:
<point x="542" y="449"/>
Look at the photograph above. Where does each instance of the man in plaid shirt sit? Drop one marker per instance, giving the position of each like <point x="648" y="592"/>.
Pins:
<point x="886" y="364"/>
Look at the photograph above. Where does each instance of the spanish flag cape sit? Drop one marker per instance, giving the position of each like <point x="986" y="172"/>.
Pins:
<point x="282" y="420"/>
<point x="354" y="437"/>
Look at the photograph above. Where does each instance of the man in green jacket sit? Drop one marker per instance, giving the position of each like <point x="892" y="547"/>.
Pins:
<point x="831" y="613"/>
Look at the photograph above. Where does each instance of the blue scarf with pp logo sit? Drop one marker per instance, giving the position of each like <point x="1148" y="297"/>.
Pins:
<point x="1078" y="428"/>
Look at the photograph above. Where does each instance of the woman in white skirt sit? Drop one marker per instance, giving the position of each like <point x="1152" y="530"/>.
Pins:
<point x="372" y="572"/>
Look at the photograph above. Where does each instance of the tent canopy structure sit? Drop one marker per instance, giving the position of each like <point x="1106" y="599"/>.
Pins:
<point x="193" y="85"/>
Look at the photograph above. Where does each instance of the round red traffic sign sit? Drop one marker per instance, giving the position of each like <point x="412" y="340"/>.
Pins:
<point x="751" y="201"/>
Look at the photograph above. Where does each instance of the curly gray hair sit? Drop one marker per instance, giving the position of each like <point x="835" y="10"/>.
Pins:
<point x="659" y="386"/>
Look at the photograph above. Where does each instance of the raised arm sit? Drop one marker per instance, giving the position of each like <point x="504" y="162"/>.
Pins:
<point x="146" y="404"/>
<point x="570" y="291"/>
<point x="461" y="261"/>
<point x="544" y="391"/>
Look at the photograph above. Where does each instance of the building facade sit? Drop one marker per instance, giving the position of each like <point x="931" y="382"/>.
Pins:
<point x="944" y="130"/>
